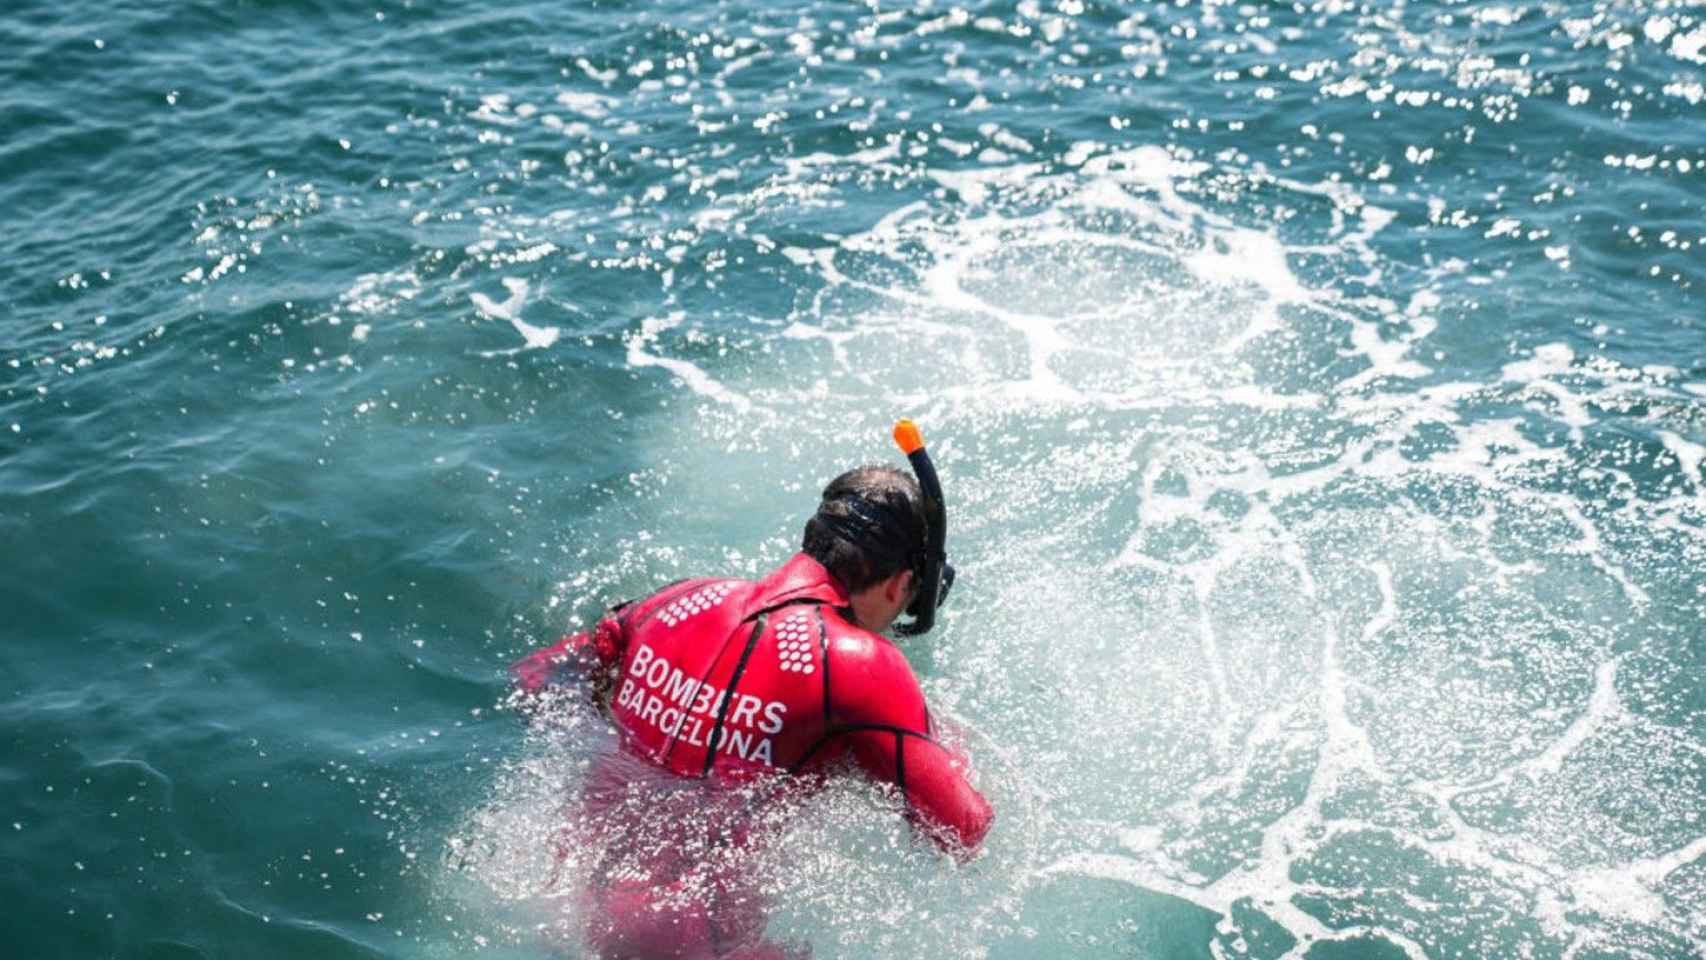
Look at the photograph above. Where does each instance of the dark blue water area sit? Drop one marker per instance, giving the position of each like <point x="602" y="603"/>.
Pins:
<point x="1319" y="390"/>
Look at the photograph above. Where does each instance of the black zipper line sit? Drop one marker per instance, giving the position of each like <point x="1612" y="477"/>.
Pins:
<point x="729" y="691"/>
<point x="900" y="768"/>
<point x="823" y="647"/>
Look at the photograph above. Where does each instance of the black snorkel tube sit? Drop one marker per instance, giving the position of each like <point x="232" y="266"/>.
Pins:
<point x="935" y="575"/>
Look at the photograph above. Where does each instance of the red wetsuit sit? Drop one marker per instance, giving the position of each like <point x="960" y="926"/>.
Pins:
<point x="776" y="676"/>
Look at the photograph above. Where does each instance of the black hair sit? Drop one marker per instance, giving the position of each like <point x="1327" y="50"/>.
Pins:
<point x="869" y="525"/>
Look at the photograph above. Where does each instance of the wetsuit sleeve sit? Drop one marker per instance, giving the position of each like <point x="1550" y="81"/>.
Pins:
<point x="892" y="739"/>
<point x="576" y="657"/>
<point x="590" y="656"/>
<point x="940" y="801"/>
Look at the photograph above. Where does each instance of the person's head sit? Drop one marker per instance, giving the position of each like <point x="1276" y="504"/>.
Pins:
<point x="869" y="532"/>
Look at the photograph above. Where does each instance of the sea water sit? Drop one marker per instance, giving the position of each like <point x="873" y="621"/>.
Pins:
<point x="1319" y="390"/>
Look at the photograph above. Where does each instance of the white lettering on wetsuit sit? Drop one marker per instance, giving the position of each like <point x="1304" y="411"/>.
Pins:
<point x="665" y="697"/>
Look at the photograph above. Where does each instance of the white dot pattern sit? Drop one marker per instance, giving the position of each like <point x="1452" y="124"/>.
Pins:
<point x="683" y="608"/>
<point x="794" y="643"/>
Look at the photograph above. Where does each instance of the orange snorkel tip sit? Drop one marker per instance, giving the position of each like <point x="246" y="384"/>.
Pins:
<point x="908" y="437"/>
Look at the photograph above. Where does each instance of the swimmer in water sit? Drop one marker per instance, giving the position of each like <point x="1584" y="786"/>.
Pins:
<point x="727" y="692"/>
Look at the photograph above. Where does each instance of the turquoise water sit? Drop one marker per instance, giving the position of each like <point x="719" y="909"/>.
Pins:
<point x="1320" y="392"/>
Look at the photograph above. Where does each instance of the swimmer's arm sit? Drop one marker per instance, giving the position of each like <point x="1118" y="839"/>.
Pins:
<point x="894" y="741"/>
<point x="591" y="656"/>
<point x="575" y="659"/>
<point x="940" y="801"/>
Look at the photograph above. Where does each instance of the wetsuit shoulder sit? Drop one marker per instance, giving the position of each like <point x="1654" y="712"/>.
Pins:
<point x="871" y="682"/>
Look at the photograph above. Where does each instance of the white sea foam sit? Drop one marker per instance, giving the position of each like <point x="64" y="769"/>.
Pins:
<point x="377" y="293"/>
<point x="691" y="374"/>
<point x="533" y="338"/>
<point x="1688" y="46"/>
<point x="1688" y="453"/>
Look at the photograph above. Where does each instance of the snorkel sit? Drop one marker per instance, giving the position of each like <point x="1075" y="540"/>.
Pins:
<point x="935" y="575"/>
